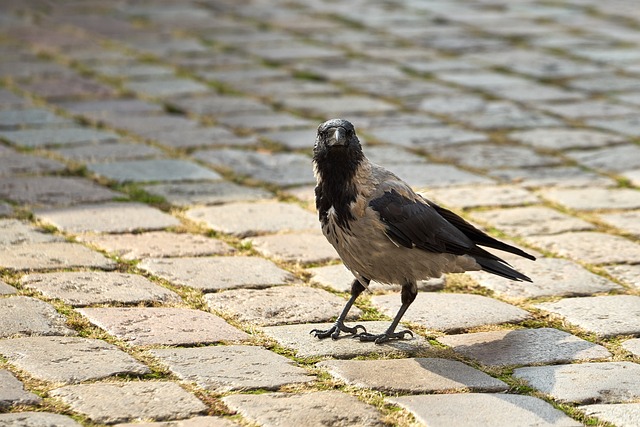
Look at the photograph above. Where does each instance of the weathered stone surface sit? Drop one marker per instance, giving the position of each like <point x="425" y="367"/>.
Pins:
<point x="69" y="359"/>
<point x="425" y="137"/>
<point x="492" y="156"/>
<point x="232" y="367"/>
<point x="200" y="137"/>
<point x="551" y="277"/>
<point x="23" y="316"/>
<point x="292" y="139"/>
<point x="108" y="152"/>
<point x="476" y="409"/>
<point x="556" y="176"/>
<point x="590" y="246"/>
<point x="345" y="105"/>
<point x="216" y="105"/>
<point x="117" y="402"/>
<point x="213" y="193"/>
<point x="246" y="219"/>
<point x="279" y="305"/>
<point x="298" y="338"/>
<point x="15" y="232"/>
<point x="12" y="392"/>
<point x="562" y="139"/>
<point x="36" y="419"/>
<point x="6" y="289"/>
<point x="298" y="247"/>
<point x="629" y="274"/>
<point x="616" y="159"/>
<point x="594" y="198"/>
<point x="94" y="287"/>
<point x="264" y="121"/>
<point x="604" y="382"/>
<point x="620" y="414"/>
<point x="158" y="244"/>
<point x="586" y="109"/>
<point x="628" y="222"/>
<point x="153" y="170"/>
<point x="323" y="408"/>
<point x="190" y="422"/>
<point x="40" y="256"/>
<point x="633" y="346"/>
<point x="107" y="218"/>
<point x="13" y="163"/>
<point x="524" y="347"/>
<point x="53" y="190"/>
<point x="163" y="88"/>
<point x="451" y="312"/>
<point x="165" y="326"/>
<point x="607" y="315"/>
<point x="531" y="220"/>
<point x="465" y="197"/>
<point x="34" y="138"/>
<point x="216" y="273"/>
<point x="338" y="278"/>
<point x="418" y="375"/>
<point x="32" y="117"/>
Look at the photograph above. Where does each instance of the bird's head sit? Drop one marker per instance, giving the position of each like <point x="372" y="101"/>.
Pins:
<point x="336" y="135"/>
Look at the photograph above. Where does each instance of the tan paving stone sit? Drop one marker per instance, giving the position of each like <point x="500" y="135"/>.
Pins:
<point x="301" y="248"/>
<point x="618" y="414"/>
<point x="465" y="197"/>
<point x="25" y="316"/>
<point x="42" y="256"/>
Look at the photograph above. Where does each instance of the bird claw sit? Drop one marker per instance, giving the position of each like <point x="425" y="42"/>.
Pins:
<point x="334" y="331"/>
<point x="382" y="338"/>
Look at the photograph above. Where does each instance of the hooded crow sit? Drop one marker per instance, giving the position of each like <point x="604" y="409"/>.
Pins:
<point x="384" y="231"/>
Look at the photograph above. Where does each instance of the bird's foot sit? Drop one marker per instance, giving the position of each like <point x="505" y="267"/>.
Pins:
<point x="334" y="331"/>
<point x="387" y="336"/>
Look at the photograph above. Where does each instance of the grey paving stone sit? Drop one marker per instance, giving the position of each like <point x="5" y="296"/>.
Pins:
<point x="110" y="403"/>
<point x="338" y="278"/>
<point x="36" y="138"/>
<point x="584" y="109"/>
<point x="536" y="92"/>
<point x="279" y="305"/>
<point x="54" y="191"/>
<point x="158" y="244"/>
<point x="605" y="83"/>
<point x="551" y="277"/>
<point x="465" y="197"/>
<point x="68" y="360"/>
<point x="133" y="71"/>
<point x="31" y="117"/>
<point x="298" y="338"/>
<point x="332" y="106"/>
<point x="36" y="419"/>
<point x="300" y="248"/>
<point x="143" y="124"/>
<point x="190" y="422"/>
<point x="452" y="105"/>
<point x="417" y="375"/>
<point x="6" y="289"/>
<point x="42" y="256"/>
<point x="493" y="156"/>
<point x="24" y="316"/>
<point x="13" y="163"/>
<point x="200" y="137"/>
<point x="322" y="408"/>
<point x="390" y="156"/>
<point x="628" y="222"/>
<point x="595" y="382"/>
<point x="621" y="414"/>
<point x="633" y="176"/>
<point x="524" y="347"/>
<point x="594" y="198"/>
<point x="252" y="367"/>
<point x="620" y="158"/>
<point x="295" y="51"/>
<point x="16" y="232"/>
<point x="292" y="139"/>
<point x="153" y="170"/>
<point x="499" y="114"/>
<point x="425" y="137"/>
<point x="249" y="218"/>
<point x="68" y="86"/>
<point x="82" y="288"/>
<point x="12" y="392"/>
<point x="632" y="346"/>
<point x="264" y="121"/>
<point x="276" y="168"/>
<point x="5" y="209"/>
<point x="562" y="139"/>
<point x="557" y="176"/>
<point x="108" y="152"/>
<point x="603" y="315"/>
<point x="451" y="312"/>
<point x="107" y="218"/>
<point x="163" y="87"/>
<point x="163" y="326"/>
<point x="531" y="220"/>
<point x="590" y="246"/>
<point x="218" y="105"/>
<point x="626" y="125"/>
<point x="187" y="194"/>
<point x="629" y="274"/>
<point x="483" y="409"/>
<point x="102" y="108"/>
<point x="428" y="176"/>
<point x="217" y="273"/>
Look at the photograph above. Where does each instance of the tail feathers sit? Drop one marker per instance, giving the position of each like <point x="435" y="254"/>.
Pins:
<point x="501" y="268"/>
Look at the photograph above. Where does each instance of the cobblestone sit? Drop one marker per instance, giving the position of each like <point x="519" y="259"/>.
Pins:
<point x="42" y="256"/>
<point x="24" y="316"/>
<point x="12" y="392"/>
<point x="35" y="138"/>
<point x="36" y="419"/>
<point x="621" y="414"/>
<point x="153" y="170"/>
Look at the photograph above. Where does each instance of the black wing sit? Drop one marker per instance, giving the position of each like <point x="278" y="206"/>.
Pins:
<point x="414" y="224"/>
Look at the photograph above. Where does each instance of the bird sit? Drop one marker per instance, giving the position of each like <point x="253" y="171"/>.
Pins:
<point x="384" y="231"/>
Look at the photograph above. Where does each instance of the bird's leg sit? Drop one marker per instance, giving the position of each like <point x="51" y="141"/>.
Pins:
<point x="409" y="293"/>
<point x="339" y="326"/>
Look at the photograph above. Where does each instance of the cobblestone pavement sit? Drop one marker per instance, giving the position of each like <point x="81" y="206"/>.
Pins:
<point x="161" y="261"/>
